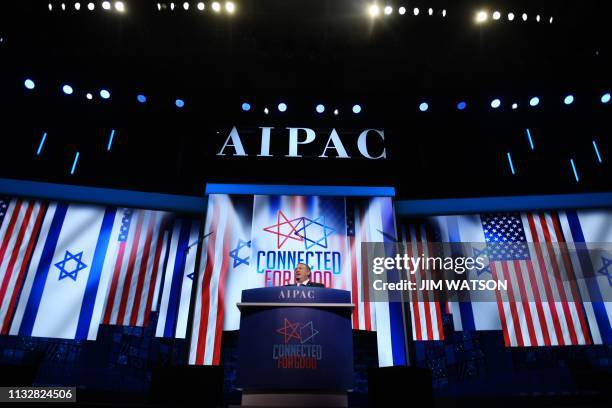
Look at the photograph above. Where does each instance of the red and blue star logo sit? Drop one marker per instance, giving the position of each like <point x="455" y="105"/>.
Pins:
<point x="313" y="232"/>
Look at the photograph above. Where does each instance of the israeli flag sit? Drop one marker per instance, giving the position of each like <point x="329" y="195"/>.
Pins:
<point x="64" y="292"/>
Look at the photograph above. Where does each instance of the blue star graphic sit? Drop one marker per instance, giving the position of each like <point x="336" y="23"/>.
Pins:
<point x="311" y="332"/>
<point x="234" y="253"/>
<point x="309" y="242"/>
<point x="482" y="253"/>
<point x="72" y="274"/>
<point x="606" y="262"/>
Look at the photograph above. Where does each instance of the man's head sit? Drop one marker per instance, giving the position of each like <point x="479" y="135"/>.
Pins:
<point x="302" y="272"/>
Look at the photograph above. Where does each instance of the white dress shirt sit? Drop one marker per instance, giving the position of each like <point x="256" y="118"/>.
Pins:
<point x="303" y="283"/>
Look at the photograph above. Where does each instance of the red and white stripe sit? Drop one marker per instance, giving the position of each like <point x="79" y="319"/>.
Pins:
<point x="425" y="308"/>
<point x="135" y="270"/>
<point x="18" y="235"/>
<point x="542" y="305"/>
<point x="205" y="346"/>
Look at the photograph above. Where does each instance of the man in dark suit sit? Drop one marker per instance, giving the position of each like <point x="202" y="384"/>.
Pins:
<point x="302" y="277"/>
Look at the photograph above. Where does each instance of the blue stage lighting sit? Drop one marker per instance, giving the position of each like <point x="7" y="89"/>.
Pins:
<point x="569" y="99"/>
<point x="246" y="106"/>
<point x="461" y="105"/>
<point x="514" y="105"/>
<point x="605" y="98"/>
<point x="67" y="89"/>
<point x="495" y="103"/>
<point x="534" y="101"/>
<point x="575" y="170"/>
<point x="141" y="98"/>
<point x="423" y="106"/>
<point x="104" y="94"/>
<point x="29" y="84"/>
<point x="320" y="108"/>
<point x="356" y="108"/>
<point x="282" y="107"/>
<point x="509" y="156"/>
<point x="179" y="103"/>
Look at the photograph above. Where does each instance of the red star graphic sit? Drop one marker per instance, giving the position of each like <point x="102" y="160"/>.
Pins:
<point x="276" y="229"/>
<point x="290" y="331"/>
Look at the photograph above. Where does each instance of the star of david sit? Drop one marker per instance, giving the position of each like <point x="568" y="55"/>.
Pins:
<point x="288" y="229"/>
<point x="483" y="253"/>
<point x="290" y="331"/>
<point x="606" y="263"/>
<point x="72" y="274"/>
<point x="234" y="253"/>
<point x="310" y="332"/>
<point x="309" y="241"/>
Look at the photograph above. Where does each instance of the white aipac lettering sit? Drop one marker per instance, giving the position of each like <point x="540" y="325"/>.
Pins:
<point x="236" y="143"/>
<point x="294" y="140"/>
<point x="362" y="144"/>
<point x="336" y="144"/>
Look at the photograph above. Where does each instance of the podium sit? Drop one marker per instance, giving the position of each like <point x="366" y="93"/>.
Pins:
<point x="295" y="346"/>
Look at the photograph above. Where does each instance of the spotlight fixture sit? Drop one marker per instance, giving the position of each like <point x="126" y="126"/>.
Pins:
<point x="216" y="6"/>
<point x="481" y="16"/>
<point x="496" y="15"/>
<point x="67" y="89"/>
<point x="200" y="6"/>
<point x="29" y="84"/>
<point x="63" y="7"/>
<point x="569" y="99"/>
<point x="524" y="16"/>
<point x="77" y="6"/>
<point x="91" y="6"/>
<point x="356" y="109"/>
<point x="230" y="7"/>
<point x="388" y="10"/>
<point x="430" y="11"/>
<point x="186" y="5"/>
<point x="415" y="11"/>
<point x="104" y="94"/>
<point x="320" y="108"/>
<point x="50" y="7"/>
<point x="551" y="20"/>
<point x="605" y="98"/>
<point x="120" y="6"/>
<point x="510" y="16"/>
<point x="141" y="98"/>
<point x="106" y="5"/>
<point x="495" y="103"/>
<point x="443" y="12"/>
<point x="246" y="106"/>
<point x="538" y="18"/>
<point x="89" y="96"/>
<point x="423" y="106"/>
<point x="373" y="10"/>
<point x="535" y="101"/>
<point x="514" y="105"/>
<point x="402" y="10"/>
<point x="461" y="105"/>
<point x="266" y="111"/>
<point x="179" y="103"/>
<point x="282" y="107"/>
<point x="336" y="112"/>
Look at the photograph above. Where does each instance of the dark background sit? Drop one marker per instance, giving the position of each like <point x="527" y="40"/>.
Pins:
<point x="304" y="53"/>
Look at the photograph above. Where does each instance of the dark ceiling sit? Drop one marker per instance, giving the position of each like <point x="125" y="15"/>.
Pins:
<point x="304" y="53"/>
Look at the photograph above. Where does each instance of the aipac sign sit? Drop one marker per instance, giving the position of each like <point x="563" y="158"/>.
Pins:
<point x="370" y="143"/>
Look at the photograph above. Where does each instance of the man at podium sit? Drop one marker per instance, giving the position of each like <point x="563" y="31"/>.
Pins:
<point x="302" y="277"/>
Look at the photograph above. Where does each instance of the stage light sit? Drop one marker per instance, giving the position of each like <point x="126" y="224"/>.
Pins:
<point x="44" y="137"/>
<point x="415" y="11"/>
<point x="336" y="112"/>
<point x="104" y="94"/>
<point x="495" y="103"/>
<point x="186" y="6"/>
<point x="158" y="7"/>
<point x="50" y="7"/>
<point x="430" y="11"/>
<point x="88" y="96"/>
<point x="74" y="163"/>
<point x="538" y="18"/>
<point x="216" y="6"/>
<point x="106" y="5"/>
<point x="524" y="16"/>
<point x="530" y="139"/>
<point x="246" y="106"/>
<point x="510" y="16"/>
<point x="63" y="7"/>
<point x="605" y="98"/>
<point x="91" y="6"/>
<point x="594" y="147"/>
<point x="120" y="6"/>
<point x="481" y="16"/>
<point x="110" y="140"/>
<point x="282" y="107"/>
<point x="67" y="89"/>
<point x="320" y="108"/>
<point x="496" y="15"/>
<point x="77" y="6"/>
<point x="356" y="109"/>
<point x="514" y="105"/>
<point x="230" y="7"/>
<point x="266" y="111"/>
<point x="551" y="20"/>
<point x="179" y="103"/>
<point x="29" y="84"/>
<point x="171" y="6"/>
<point x="461" y="105"/>
<point x="402" y="10"/>
<point x="388" y="10"/>
<point x="423" y="106"/>
<point x="373" y="10"/>
<point x="200" y="6"/>
<point x="575" y="171"/>
<point x="510" y="162"/>
<point x="534" y="101"/>
<point x="569" y="99"/>
<point x="444" y="13"/>
<point x="141" y="98"/>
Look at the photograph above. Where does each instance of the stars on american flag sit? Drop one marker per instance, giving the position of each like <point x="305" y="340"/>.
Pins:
<point x="4" y="202"/>
<point x="505" y="236"/>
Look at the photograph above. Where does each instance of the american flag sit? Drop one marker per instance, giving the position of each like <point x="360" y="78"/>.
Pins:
<point x="542" y="305"/>
<point x="20" y="222"/>
<point x="425" y="307"/>
<point x="137" y="263"/>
